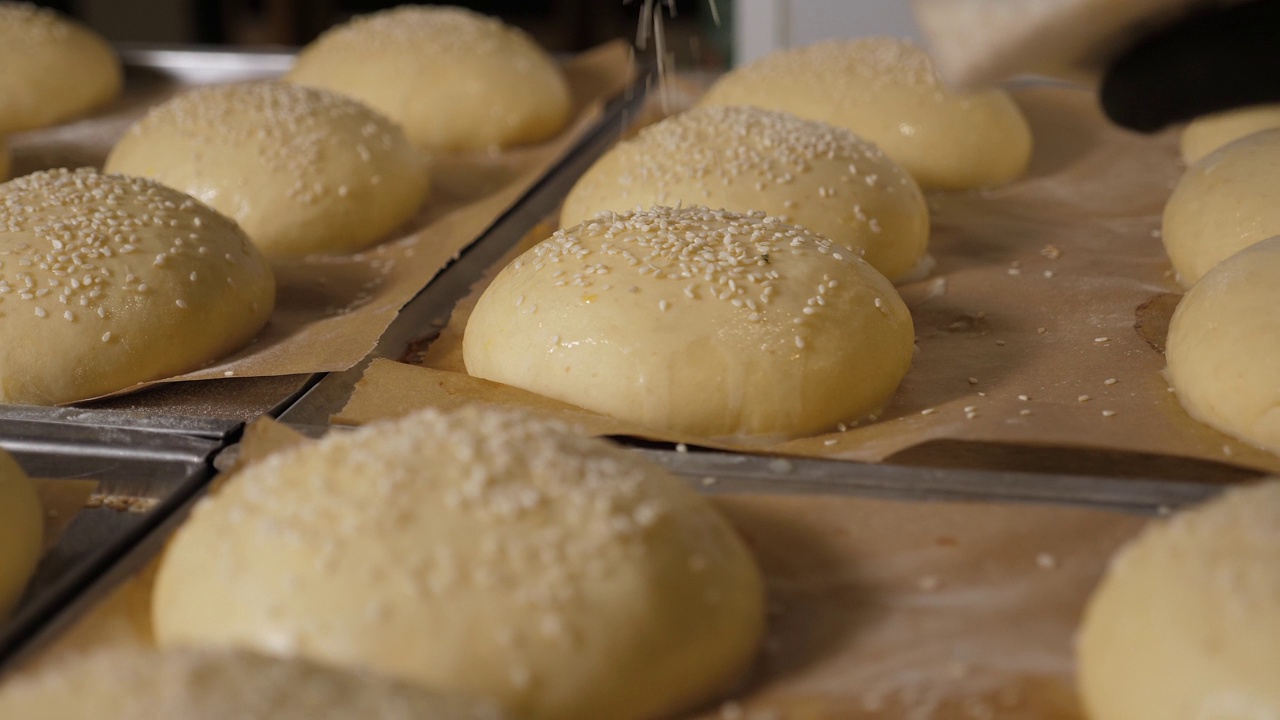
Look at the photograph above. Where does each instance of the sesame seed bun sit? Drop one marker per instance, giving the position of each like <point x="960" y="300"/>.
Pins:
<point x="1185" y="624"/>
<point x="818" y="176"/>
<point x="21" y="533"/>
<point x="208" y="684"/>
<point x="107" y="281"/>
<point x="478" y="551"/>
<point x="53" y="68"/>
<point x="301" y="170"/>
<point x="452" y="78"/>
<point x="886" y="90"/>
<point x="696" y="321"/>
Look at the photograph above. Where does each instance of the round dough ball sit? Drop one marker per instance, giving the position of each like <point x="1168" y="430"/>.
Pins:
<point x="886" y="90"/>
<point x="1210" y="132"/>
<point x="696" y="321"/>
<point x="302" y="170"/>
<point x="1186" y="623"/>
<point x="54" y="68"/>
<point x="21" y="533"/>
<point x="191" y="684"/>
<point x="452" y="78"/>
<point x="108" y="281"/>
<point x="1223" y="204"/>
<point x="811" y="174"/>
<point x="1223" y="347"/>
<point x="478" y="551"/>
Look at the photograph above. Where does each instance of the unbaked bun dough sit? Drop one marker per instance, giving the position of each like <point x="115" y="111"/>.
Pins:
<point x="192" y="684"/>
<point x="301" y="170"/>
<point x="885" y="90"/>
<point x="452" y="78"/>
<point x="1186" y="623"/>
<point x="478" y="551"/>
<point x="812" y="174"/>
<point x="108" y="281"/>
<point x="1223" y="204"/>
<point x="53" y="68"/>
<point x="1223" y="347"/>
<point x="696" y="321"/>
<point x="1210" y="132"/>
<point x="21" y="533"/>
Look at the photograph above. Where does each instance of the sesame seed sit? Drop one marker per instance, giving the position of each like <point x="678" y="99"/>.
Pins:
<point x="928" y="411"/>
<point x="1101" y="339"/>
<point x="799" y="342"/>
<point x="973" y="381"/>
<point x="1108" y="413"/>
<point x="40" y="312"/>
<point x="830" y="441"/>
<point x="1083" y="398"/>
<point x="182" y="304"/>
<point x="1110" y="381"/>
<point x="1046" y="561"/>
<point x="106" y="336"/>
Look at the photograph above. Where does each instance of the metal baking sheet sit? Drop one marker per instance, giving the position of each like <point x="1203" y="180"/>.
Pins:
<point x="714" y="472"/>
<point x="145" y="481"/>
<point x="219" y="408"/>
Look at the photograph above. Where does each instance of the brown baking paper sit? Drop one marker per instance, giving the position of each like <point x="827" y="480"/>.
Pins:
<point x="331" y="310"/>
<point x="877" y="609"/>
<point x="1042" y="324"/>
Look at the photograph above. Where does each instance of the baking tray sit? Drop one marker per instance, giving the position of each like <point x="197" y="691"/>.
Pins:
<point x="218" y="408"/>
<point x="145" y="481"/>
<point x="715" y="472"/>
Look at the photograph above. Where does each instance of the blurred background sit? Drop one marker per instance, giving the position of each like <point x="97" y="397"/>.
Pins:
<point x="746" y="28"/>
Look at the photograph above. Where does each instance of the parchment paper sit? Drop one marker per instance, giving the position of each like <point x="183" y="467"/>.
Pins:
<point x="877" y="609"/>
<point x="331" y="310"/>
<point x="1043" y="323"/>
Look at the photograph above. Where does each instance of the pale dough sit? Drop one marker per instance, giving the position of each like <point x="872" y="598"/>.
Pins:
<point x="301" y="170"/>
<point x="53" y="68"/>
<point x="1186" y="623"/>
<point x="452" y="78"/>
<point x="21" y="533"/>
<point x="1210" y="132"/>
<point x="109" y="281"/>
<point x="1223" y="204"/>
<point x="696" y="321"/>
<point x="476" y="551"/>
<point x="194" y="684"/>
<point x="886" y="91"/>
<point x="815" y="175"/>
<point x="1223" y="347"/>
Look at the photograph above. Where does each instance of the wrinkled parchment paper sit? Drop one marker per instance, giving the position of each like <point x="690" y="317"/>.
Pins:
<point x="1043" y="323"/>
<point x="331" y="310"/>
<point x="877" y="609"/>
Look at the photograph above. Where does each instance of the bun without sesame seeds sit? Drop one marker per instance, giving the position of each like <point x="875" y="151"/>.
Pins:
<point x="207" y="684"/>
<point x="697" y="321"/>
<point x="1185" y="624"/>
<point x="301" y="170"/>
<point x="452" y="78"/>
<point x="815" y="175"/>
<point x="476" y="551"/>
<point x="1223" y="347"/>
<point x="1223" y="204"/>
<point x="107" y="281"/>
<point x="53" y="68"/>
<point x="886" y="90"/>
